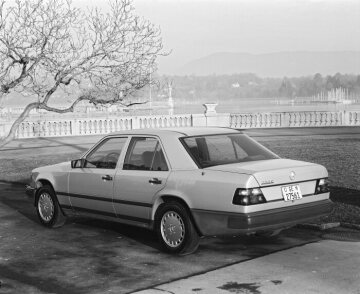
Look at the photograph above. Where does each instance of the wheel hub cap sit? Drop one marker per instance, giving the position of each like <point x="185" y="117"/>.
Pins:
<point x="172" y="229"/>
<point x="46" y="207"/>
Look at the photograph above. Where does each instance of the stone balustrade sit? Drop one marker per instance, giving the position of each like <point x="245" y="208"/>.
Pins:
<point x="101" y="125"/>
<point x="295" y="119"/>
<point x="30" y="129"/>
<point x="315" y="119"/>
<point x="256" y="120"/>
<point x="97" y="126"/>
<point x="354" y="118"/>
<point x="93" y="126"/>
<point x="165" y="121"/>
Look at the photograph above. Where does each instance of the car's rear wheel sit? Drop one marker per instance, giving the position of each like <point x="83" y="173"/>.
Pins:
<point x="175" y="230"/>
<point x="48" y="209"/>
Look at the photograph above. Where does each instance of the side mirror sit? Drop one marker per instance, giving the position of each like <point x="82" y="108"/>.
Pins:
<point x="78" y="163"/>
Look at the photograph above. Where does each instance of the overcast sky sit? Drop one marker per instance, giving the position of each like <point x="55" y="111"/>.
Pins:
<point x="196" y="28"/>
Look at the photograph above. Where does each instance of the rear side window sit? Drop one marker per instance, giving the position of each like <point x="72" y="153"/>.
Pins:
<point x="145" y="154"/>
<point x="220" y="148"/>
<point x="224" y="149"/>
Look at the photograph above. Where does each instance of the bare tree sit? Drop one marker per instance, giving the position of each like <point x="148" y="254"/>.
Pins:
<point x="49" y="46"/>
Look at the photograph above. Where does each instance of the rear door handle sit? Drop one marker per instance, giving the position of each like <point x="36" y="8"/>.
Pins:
<point x="107" y="178"/>
<point x="155" y="181"/>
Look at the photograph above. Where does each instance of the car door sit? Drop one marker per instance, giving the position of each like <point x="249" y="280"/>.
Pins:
<point x="91" y="186"/>
<point x="144" y="173"/>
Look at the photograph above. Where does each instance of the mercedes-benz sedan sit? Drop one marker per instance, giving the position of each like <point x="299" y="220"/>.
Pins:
<point x="183" y="183"/>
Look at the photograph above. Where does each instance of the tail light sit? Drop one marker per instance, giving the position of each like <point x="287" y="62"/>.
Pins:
<point x="248" y="196"/>
<point x="322" y="186"/>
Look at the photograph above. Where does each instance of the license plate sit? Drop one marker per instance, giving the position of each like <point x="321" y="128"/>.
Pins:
<point x="291" y="193"/>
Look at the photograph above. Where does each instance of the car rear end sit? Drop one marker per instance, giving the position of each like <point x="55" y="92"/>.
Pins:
<point x="293" y="192"/>
<point x="255" y="190"/>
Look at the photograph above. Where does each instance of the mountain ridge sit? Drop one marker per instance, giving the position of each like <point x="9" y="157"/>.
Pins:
<point x="276" y="64"/>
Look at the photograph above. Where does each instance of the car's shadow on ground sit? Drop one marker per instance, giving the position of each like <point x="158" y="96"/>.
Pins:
<point x="345" y="195"/>
<point x="117" y="230"/>
<point x="13" y="195"/>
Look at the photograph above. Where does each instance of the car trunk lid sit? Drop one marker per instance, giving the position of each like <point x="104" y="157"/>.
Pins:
<point x="274" y="171"/>
<point x="273" y="174"/>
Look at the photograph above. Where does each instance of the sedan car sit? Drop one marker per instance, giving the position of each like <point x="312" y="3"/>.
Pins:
<point x="183" y="183"/>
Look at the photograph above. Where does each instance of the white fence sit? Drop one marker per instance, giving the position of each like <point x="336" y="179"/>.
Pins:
<point x="76" y="127"/>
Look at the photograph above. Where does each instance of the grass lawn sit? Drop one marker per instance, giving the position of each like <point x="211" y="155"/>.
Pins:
<point x="340" y="154"/>
<point x="337" y="150"/>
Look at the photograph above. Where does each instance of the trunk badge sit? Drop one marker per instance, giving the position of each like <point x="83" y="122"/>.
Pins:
<point x="269" y="182"/>
<point x="292" y="175"/>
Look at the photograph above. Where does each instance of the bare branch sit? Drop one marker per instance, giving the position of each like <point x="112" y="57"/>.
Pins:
<point x="17" y="123"/>
<point x="48" y="47"/>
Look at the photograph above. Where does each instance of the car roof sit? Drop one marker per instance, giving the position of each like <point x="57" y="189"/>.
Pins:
<point x="179" y="132"/>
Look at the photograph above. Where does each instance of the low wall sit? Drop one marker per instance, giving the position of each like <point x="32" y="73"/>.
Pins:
<point x="76" y="127"/>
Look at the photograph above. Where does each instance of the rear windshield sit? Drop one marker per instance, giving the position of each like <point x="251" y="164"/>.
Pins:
<point x="226" y="148"/>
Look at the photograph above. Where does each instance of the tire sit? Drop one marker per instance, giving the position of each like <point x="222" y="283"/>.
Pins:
<point x="175" y="229"/>
<point x="48" y="209"/>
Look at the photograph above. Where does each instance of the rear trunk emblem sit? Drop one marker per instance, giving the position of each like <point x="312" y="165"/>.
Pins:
<point x="292" y="175"/>
<point x="269" y="182"/>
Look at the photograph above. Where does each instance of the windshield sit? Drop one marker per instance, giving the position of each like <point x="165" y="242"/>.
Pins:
<point x="224" y="149"/>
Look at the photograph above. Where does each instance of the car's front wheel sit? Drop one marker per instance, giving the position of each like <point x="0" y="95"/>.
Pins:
<point x="176" y="232"/>
<point x="48" y="209"/>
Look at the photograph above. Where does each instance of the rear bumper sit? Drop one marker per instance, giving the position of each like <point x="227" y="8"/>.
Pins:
<point x="212" y="223"/>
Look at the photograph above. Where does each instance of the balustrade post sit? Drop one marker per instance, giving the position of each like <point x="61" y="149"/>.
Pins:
<point x="199" y="120"/>
<point x="285" y="120"/>
<point x="135" y="123"/>
<point x="74" y="127"/>
<point x="345" y="118"/>
<point x="222" y="119"/>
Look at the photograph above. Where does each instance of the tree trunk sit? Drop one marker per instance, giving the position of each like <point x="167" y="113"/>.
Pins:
<point x="17" y="122"/>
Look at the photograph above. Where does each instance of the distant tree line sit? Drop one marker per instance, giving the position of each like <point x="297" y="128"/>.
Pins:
<point x="238" y="86"/>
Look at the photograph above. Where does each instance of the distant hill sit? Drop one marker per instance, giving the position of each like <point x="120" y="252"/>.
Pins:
<point x="279" y="64"/>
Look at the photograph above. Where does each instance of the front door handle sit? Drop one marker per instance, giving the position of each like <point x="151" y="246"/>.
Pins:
<point x="155" y="181"/>
<point x="107" y="178"/>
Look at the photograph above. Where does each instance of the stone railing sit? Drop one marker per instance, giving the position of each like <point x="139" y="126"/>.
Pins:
<point x="354" y="118"/>
<point x="315" y="119"/>
<point x="257" y="120"/>
<point x="101" y="125"/>
<point x="29" y="129"/>
<point x="295" y="119"/>
<point x="76" y="127"/>
<point x="165" y="121"/>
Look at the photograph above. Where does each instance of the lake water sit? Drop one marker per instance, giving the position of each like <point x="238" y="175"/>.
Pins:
<point x="248" y="105"/>
<point x="192" y="107"/>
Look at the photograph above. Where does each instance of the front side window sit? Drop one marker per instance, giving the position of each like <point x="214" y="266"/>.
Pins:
<point x="145" y="154"/>
<point x="224" y="149"/>
<point x="106" y="155"/>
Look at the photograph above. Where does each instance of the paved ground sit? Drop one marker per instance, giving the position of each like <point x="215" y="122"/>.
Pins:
<point x="304" y="269"/>
<point x="87" y="256"/>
